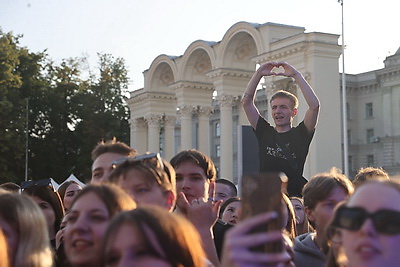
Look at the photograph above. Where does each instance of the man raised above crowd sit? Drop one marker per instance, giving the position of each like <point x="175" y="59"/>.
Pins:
<point x="283" y="148"/>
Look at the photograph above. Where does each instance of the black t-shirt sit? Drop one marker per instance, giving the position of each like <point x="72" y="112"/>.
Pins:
<point x="275" y="148"/>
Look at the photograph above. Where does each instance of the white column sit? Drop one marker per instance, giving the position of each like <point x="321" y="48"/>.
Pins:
<point x="153" y="122"/>
<point x="169" y="127"/>
<point x="185" y="113"/>
<point x="226" y="161"/>
<point x="204" y="129"/>
<point x="138" y="135"/>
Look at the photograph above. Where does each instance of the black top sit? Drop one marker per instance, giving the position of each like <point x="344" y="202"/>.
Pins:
<point x="284" y="152"/>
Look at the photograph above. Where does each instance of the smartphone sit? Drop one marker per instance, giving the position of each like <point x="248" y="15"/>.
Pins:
<point x="261" y="193"/>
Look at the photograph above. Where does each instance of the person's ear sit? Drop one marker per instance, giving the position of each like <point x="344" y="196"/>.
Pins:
<point x="170" y="200"/>
<point x="294" y="112"/>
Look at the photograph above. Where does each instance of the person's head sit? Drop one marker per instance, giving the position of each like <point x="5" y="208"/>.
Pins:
<point x="224" y="189"/>
<point x="289" y="217"/>
<point x="369" y="224"/>
<point x="104" y="154"/>
<point x="147" y="178"/>
<point x="43" y="193"/>
<point x="11" y="187"/>
<point x="230" y="210"/>
<point x="90" y="213"/>
<point x="370" y="173"/>
<point x="284" y="107"/>
<point x="25" y="229"/>
<point x="321" y="194"/>
<point x="194" y="173"/>
<point x="68" y="192"/>
<point x="302" y="225"/>
<point x="150" y="236"/>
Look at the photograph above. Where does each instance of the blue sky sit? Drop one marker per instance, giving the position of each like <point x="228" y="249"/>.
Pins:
<point x="140" y="30"/>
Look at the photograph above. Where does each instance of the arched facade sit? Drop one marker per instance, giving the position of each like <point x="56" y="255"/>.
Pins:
<point x="186" y="98"/>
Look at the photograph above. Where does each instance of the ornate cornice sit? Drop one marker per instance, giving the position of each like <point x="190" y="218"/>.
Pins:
<point x="192" y="85"/>
<point x="278" y="54"/>
<point x="226" y="72"/>
<point x="151" y="96"/>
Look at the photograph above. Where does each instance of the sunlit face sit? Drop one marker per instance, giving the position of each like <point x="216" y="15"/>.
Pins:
<point x="48" y="213"/>
<point x="324" y="210"/>
<point x="192" y="181"/>
<point x="102" y="166"/>
<point x="231" y="213"/>
<point x="298" y="210"/>
<point x="70" y="193"/>
<point x="366" y="247"/>
<point x="142" y="189"/>
<point x="222" y="192"/>
<point x="86" y="225"/>
<point x="127" y="248"/>
<point x="12" y="237"/>
<point x="282" y="111"/>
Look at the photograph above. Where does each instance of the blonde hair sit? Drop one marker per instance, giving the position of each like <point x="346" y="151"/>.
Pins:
<point x="33" y="238"/>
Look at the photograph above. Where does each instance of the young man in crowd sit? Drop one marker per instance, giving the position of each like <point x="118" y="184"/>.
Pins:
<point x="224" y="189"/>
<point x="321" y="195"/>
<point x="104" y="154"/>
<point x="283" y="148"/>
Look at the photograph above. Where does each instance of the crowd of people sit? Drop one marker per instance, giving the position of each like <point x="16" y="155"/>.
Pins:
<point x="142" y="210"/>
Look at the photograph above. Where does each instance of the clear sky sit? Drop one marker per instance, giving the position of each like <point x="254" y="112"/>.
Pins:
<point x="140" y="30"/>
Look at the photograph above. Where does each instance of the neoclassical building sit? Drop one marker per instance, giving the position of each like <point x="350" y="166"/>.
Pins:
<point x="373" y="117"/>
<point x="193" y="100"/>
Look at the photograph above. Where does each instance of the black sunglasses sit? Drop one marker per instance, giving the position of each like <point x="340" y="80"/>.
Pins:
<point x="385" y="221"/>
<point x="144" y="158"/>
<point x="40" y="183"/>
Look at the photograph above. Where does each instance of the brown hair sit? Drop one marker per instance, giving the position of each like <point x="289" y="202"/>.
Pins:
<point x="321" y="185"/>
<point x="198" y="158"/>
<point x="370" y="173"/>
<point x="176" y="236"/>
<point x="291" y="223"/>
<point x="112" y="146"/>
<point x="47" y="193"/>
<point x="151" y="169"/>
<point x="288" y="95"/>
<point x="114" y="198"/>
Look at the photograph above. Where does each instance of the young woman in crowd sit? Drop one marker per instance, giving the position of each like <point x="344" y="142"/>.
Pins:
<point x="302" y="225"/>
<point x="151" y="236"/>
<point x="90" y="213"/>
<point x="43" y="193"/>
<point x="289" y="218"/>
<point x="369" y="225"/>
<point x="68" y="192"/>
<point x="230" y="210"/>
<point x="26" y="231"/>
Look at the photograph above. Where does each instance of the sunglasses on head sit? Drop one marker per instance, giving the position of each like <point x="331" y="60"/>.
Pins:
<point x="40" y="183"/>
<point x="385" y="221"/>
<point x="141" y="158"/>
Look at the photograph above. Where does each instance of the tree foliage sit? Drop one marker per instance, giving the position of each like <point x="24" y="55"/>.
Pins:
<point x="70" y="111"/>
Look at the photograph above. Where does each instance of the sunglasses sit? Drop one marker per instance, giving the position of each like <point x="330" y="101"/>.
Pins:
<point x="150" y="160"/>
<point x="141" y="158"/>
<point x="40" y="183"/>
<point x="385" y="221"/>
